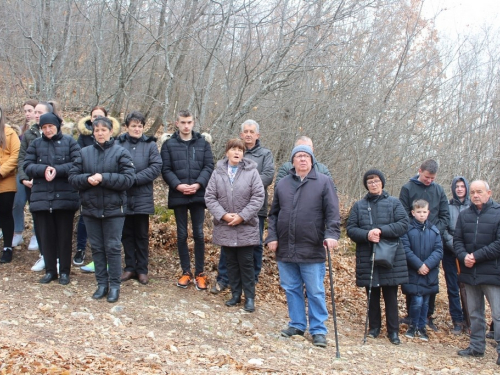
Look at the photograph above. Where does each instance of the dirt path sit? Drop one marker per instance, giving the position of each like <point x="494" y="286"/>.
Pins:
<point x="162" y="329"/>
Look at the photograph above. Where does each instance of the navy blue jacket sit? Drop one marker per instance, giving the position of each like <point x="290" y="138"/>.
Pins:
<point x="114" y="163"/>
<point x="59" y="152"/>
<point x="147" y="162"/>
<point x="422" y="244"/>
<point x="478" y="232"/>
<point x="186" y="163"/>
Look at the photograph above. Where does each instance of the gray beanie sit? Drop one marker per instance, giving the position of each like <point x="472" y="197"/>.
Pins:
<point x="303" y="148"/>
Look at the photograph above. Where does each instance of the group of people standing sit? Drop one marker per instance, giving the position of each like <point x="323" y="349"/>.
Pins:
<point x="109" y="177"/>
<point x="463" y="232"/>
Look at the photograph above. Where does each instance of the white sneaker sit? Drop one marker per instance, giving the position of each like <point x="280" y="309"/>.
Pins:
<point x="33" y="244"/>
<point x="17" y="240"/>
<point x="39" y="265"/>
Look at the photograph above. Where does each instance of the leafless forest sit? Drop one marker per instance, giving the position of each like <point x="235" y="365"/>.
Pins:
<point x="370" y="81"/>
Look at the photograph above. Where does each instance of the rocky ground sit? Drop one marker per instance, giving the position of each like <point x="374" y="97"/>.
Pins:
<point x="162" y="329"/>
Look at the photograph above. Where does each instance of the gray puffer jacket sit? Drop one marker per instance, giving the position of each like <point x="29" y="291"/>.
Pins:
<point x="244" y="197"/>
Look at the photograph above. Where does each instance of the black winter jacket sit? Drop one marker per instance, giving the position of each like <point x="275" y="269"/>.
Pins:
<point x="147" y="162"/>
<point x="186" y="162"/>
<point x="390" y="217"/>
<point x="59" y="152"/>
<point x="29" y="136"/>
<point x="114" y="163"/>
<point x="433" y="194"/>
<point x="478" y="232"/>
<point x="302" y="215"/>
<point x="455" y="206"/>
<point x="422" y="245"/>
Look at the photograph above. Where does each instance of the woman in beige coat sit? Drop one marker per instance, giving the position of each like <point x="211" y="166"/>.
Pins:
<point x="9" y="151"/>
<point x="234" y="196"/>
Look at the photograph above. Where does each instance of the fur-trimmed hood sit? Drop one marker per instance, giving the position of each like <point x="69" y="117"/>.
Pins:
<point x="85" y="126"/>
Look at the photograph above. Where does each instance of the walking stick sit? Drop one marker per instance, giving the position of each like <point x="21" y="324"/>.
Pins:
<point x="463" y="298"/>
<point x="369" y="296"/>
<point x="332" y="296"/>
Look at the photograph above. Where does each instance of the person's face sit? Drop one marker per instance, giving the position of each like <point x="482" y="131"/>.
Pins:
<point x="374" y="185"/>
<point x="421" y="214"/>
<point x="49" y="130"/>
<point x="185" y="125"/>
<point x="302" y="163"/>
<point x="135" y="129"/>
<point x="425" y="177"/>
<point x="102" y="133"/>
<point x="29" y="112"/>
<point x="249" y="135"/>
<point x="234" y="155"/>
<point x="97" y="113"/>
<point x="479" y="195"/>
<point x="460" y="190"/>
<point x="40" y="109"/>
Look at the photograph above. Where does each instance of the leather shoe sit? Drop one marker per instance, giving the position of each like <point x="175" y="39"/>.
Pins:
<point x="292" y="331"/>
<point x="113" y="295"/>
<point x="373" y="333"/>
<point x="469" y="352"/>
<point x="64" y="279"/>
<point x="143" y="278"/>
<point x="48" y="278"/>
<point x="100" y="292"/>
<point x="319" y="340"/>
<point x="393" y="338"/>
<point x="249" y="305"/>
<point x="127" y="275"/>
<point x="233" y="301"/>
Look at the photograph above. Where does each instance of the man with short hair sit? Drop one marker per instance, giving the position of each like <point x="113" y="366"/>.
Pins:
<point x="422" y="186"/>
<point x="250" y="134"/>
<point x="304" y="219"/>
<point x="476" y="244"/>
<point x="459" y="202"/>
<point x="187" y="166"/>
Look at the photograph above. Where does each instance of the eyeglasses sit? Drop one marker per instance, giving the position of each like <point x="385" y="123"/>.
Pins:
<point x="373" y="182"/>
<point x="302" y="156"/>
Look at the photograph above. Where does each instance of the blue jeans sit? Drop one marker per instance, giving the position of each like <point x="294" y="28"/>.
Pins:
<point x="419" y="306"/>
<point x="475" y="302"/>
<point x="18" y="210"/>
<point x="293" y="277"/>
<point x="81" y="234"/>
<point x="222" y="277"/>
<point x="105" y="240"/>
<point x="197" y="212"/>
<point x="451" y="277"/>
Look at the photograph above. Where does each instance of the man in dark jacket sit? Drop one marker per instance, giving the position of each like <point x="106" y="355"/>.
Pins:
<point x="422" y="186"/>
<point x="303" y="216"/>
<point x="285" y="168"/>
<point x="476" y="244"/>
<point x="250" y="134"/>
<point x="187" y="166"/>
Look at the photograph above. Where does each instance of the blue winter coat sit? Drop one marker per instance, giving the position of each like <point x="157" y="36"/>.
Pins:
<point x="422" y="245"/>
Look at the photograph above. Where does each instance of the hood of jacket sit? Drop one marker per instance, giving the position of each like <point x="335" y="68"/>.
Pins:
<point x="84" y="126"/>
<point x="455" y="200"/>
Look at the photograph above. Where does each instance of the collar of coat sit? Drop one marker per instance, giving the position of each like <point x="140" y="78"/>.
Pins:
<point x="84" y="126"/>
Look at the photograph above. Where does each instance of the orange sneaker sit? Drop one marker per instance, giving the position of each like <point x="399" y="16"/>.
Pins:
<point x="201" y="282"/>
<point x="184" y="281"/>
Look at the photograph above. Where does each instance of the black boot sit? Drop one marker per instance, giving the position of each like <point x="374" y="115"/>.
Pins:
<point x="100" y="292"/>
<point x="7" y="255"/>
<point x="249" y="305"/>
<point x="113" y="295"/>
<point x="393" y="338"/>
<point x="234" y="301"/>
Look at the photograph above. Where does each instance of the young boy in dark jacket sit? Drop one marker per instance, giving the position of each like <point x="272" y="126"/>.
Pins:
<point x="424" y="251"/>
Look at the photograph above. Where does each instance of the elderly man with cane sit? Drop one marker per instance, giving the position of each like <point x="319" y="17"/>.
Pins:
<point x="304" y="215"/>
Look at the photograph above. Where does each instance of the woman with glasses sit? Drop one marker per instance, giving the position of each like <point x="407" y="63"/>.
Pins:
<point x="372" y="218"/>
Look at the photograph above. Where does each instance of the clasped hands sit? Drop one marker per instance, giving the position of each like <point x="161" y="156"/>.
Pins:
<point x="50" y="173"/>
<point x="232" y="219"/>
<point x="95" y="179"/>
<point x="188" y="189"/>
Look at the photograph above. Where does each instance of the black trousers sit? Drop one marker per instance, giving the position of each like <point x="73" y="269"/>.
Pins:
<point x="6" y="218"/>
<point x="240" y="270"/>
<point x="56" y="230"/>
<point x="135" y="240"/>
<point x="390" y="294"/>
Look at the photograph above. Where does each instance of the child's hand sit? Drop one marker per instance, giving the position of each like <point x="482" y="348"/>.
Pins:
<point x="424" y="270"/>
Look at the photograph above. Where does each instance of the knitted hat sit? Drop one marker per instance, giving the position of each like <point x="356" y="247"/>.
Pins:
<point x="50" y="118"/>
<point x="373" y="172"/>
<point x="303" y="148"/>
